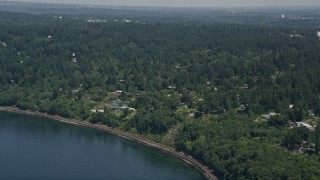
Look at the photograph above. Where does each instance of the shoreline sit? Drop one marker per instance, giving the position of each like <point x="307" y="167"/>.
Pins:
<point x="138" y="139"/>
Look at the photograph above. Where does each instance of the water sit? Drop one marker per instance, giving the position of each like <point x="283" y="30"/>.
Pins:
<point x="37" y="148"/>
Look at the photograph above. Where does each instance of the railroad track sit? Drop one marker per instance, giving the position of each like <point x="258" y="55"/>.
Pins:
<point x="204" y="169"/>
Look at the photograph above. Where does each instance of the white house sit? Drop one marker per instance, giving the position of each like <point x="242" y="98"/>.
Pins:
<point x="126" y="20"/>
<point x="269" y="115"/>
<point x="97" y="110"/>
<point x="303" y="124"/>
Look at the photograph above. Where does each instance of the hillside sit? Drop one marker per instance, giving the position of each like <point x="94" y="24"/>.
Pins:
<point x="241" y="97"/>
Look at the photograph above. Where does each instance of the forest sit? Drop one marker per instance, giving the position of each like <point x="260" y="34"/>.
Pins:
<point x="241" y="97"/>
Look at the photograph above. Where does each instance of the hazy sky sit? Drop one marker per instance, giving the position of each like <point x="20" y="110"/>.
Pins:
<point x="190" y="3"/>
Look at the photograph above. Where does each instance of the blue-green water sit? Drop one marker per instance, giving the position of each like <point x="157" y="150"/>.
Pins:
<point x="37" y="148"/>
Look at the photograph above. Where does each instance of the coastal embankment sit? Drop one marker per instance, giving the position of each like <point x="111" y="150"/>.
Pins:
<point x="204" y="169"/>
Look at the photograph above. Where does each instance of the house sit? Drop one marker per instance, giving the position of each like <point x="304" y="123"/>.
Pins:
<point x="74" y="60"/>
<point x="119" y="91"/>
<point x="86" y="98"/>
<point x="90" y="20"/>
<point x="270" y="115"/>
<point x="131" y="109"/>
<point x="119" y="105"/>
<point x="171" y="87"/>
<point x="126" y="20"/>
<point x="96" y="21"/>
<point x="307" y="147"/>
<point x="311" y="113"/>
<point x="128" y="108"/>
<point x="291" y="124"/>
<point x="245" y="86"/>
<point x="303" y="124"/>
<point x="295" y="35"/>
<point x="75" y="90"/>
<point x="97" y="110"/>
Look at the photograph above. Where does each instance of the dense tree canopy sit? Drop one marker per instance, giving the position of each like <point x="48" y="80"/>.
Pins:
<point x="206" y="88"/>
